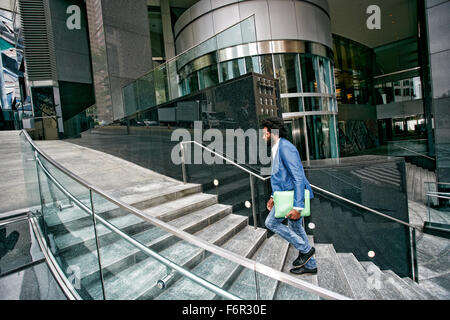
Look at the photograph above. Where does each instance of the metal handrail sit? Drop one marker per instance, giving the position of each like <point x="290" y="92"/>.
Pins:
<point x="222" y="157"/>
<point x="233" y="257"/>
<point x="422" y="155"/>
<point x="434" y="195"/>
<point x="137" y="244"/>
<point x="312" y="186"/>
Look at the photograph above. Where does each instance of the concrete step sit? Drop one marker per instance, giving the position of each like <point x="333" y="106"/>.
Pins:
<point x="437" y="286"/>
<point x="330" y="272"/>
<point x="139" y="197"/>
<point x="422" y="291"/>
<point x="387" y="288"/>
<point x="156" y="194"/>
<point x="116" y="256"/>
<point x="406" y="288"/>
<point x="216" y="269"/>
<point x="272" y="253"/>
<point x="136" y="282"/>
<point x="287" y="292"/>
<point x="76" y="236"/>
<point x="177" y="208"/>
<point x="357" y="277"/>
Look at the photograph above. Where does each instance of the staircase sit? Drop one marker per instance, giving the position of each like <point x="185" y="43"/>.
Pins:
<point x="129" y="274"/>
<point x="416" y="178"/>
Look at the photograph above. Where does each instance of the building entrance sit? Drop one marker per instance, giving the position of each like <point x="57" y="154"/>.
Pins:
<point x="298" y="136"/>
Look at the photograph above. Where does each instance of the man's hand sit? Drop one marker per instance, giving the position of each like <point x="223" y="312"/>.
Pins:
<point x="270" y="204"/>
<point x="293" y="215"/>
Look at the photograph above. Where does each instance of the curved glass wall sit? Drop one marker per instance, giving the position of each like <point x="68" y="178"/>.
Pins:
<point x="304" y="70"/>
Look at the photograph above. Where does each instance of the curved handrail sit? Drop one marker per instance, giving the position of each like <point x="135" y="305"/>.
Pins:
<point x="230" y="161"/>
<point x="312" y="186"/>
<point x="233" y="257"/>
<point x="137" y="244"/>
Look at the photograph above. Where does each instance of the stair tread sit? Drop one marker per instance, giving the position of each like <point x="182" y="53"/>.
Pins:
<point x="330" y="272"/>
<point x="272" y="254"/>
<point x="216" y="269"/>
<point x="287" y="292"/>
<point x="124" y="284"/>
<point x="165" y="211"/>
<point x="76" y="236"/>
<point x="381" y="283"/>
<point x="121" y="249"/>
<point x="417" y="287"/>
<point x="357" y="277"/>
<point x="157" y="191"/>
<point x="404" y="287"/>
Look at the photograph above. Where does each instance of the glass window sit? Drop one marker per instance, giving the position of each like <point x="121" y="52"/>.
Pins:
<point x="313" y="104"/>
<point x="266" y="65"/>
<point x="208" y="77"/>
<point x="252" y="64"/>
<point x="287" y="71"/>
<point x="309" y="74"/>
<point x="232" y="69"/>
<point x="289" y="105"/>
<point x="324" y="76"/>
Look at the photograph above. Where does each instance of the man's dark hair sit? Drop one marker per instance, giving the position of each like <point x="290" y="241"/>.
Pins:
<point x="275" y="123"/>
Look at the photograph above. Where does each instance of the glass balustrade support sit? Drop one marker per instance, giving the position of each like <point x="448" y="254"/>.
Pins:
<point x="183" y="164"/>
<point x="97" y="244"/>
<point x="252" y="191"/>
<point x="414" y="256"/>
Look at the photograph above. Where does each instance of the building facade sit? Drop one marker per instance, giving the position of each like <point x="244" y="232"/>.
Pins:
<point x="353" y="76"/>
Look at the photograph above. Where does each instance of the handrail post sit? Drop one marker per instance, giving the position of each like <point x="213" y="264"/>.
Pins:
<point x="252" y="191"/>
<point x="414" y="256"/>
<point x="183" y="164"/>
<point x="97" y="243"/>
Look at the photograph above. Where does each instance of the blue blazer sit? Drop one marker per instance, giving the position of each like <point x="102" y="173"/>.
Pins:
<point x="288" y="173"/>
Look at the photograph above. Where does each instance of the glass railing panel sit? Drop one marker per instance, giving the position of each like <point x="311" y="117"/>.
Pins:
<point x="438" y="203"/>
<point x="145" y="92"/>
<point x="161" y="84"/>
<point x="128" y="271"/>
<point x="130" y="97"/>
<point x="30" y="173"/>
<point x="375" y="184"/>
<point x="405" y="148"/>
<point x="177" y="77"/>
<point x="68" y="227"/>
<point x="368" y="236"/>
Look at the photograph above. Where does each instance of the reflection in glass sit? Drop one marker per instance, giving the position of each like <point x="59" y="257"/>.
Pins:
<point x="313" y="104"/>
<point x="266" y="65"/>
<point x="291" y="105"/>
<point x="232" y="69"/>
<point x="322" y="137"/>
<point x="309" y="74"/>
<point x="208" y="77"/>
<point x="287" y="71"/>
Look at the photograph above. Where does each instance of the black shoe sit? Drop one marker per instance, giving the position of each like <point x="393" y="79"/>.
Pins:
<point x="303" y="258"/>
<point x="303" y="270"/>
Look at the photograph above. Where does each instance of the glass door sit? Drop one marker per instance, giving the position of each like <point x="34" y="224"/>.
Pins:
<point x="297" y="135"/>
